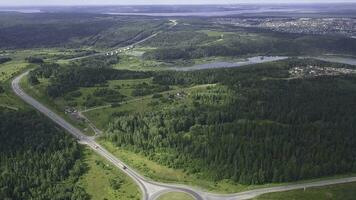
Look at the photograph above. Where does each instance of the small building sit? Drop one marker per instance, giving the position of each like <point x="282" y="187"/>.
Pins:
<point x="180" y="94"/>
<point x="69" y="110"/>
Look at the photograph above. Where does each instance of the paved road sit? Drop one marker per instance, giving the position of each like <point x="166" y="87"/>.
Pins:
<point x="116" y="51"/>
<point x="150" y="189"/>
<point x="121" y="49"/>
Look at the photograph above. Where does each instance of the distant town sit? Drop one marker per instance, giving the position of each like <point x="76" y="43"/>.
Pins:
<point x="317" y="26"/>
<point x="314" y="71"/>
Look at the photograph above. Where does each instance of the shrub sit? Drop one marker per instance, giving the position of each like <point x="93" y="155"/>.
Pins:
<point x="35" y="60"/>
<point x="4" y="60"/>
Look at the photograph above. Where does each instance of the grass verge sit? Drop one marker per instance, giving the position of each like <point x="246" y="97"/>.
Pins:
<point x="157" y="172"/>
<point x="104" y="181"/>
<point x="175" y="196"/>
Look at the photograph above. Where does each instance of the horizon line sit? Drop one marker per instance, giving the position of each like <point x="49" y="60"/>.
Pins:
<point x="168" y="4"/>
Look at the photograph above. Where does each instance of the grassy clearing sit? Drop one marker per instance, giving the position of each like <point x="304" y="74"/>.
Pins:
<point x="102" y="117"/>
<point x="8" y="100"/>
<point x="48" y="54"/>
<point x="132" y="62"/>
<point x="104" y="181"/>
<point x="9" y="69"/>
<point x="333" y="192"/>
<point x="124" y="87"/>
<point x="175" y="196"/>
<point x="212" y="33"/>
<point x="127" y="86"/>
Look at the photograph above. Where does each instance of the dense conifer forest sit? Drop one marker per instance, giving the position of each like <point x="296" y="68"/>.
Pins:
<point x="37" y="159"/>
<point x="189" y="44"/>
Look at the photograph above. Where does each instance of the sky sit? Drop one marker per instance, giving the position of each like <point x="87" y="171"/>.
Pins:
<point x="147" y="2"/>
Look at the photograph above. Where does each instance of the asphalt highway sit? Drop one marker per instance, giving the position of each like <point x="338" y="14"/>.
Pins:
<point x="151" y="190"/>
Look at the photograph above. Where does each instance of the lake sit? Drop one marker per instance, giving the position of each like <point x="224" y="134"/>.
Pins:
<point x="260" y="59"/>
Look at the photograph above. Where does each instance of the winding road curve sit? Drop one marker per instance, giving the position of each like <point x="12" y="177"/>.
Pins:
<point x="152" y="190"/>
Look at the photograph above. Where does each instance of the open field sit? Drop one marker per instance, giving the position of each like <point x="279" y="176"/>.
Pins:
<point x="7" y="71"/>
<point x="102" y="117"/>
<point x="9" y="100"/>
<point x="134" y="62"/>
<point x="104" y="181"/>
<point x="175" y="196"/>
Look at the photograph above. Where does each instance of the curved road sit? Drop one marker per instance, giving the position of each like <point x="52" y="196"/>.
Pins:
<point x="150" y="189"/>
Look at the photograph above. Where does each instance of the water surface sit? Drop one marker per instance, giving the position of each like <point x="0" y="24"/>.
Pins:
<point x="20" y="10"/>
<point x="227" y="64"/>
<point x="337" y="59"/>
